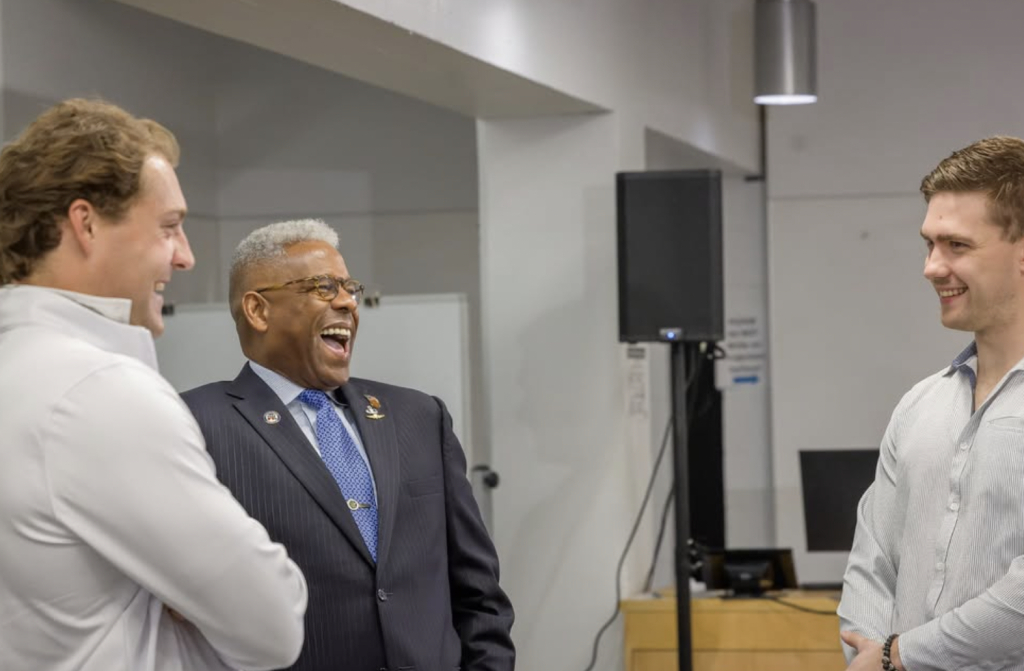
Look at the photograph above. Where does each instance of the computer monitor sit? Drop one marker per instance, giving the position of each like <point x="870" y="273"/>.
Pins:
<point x="748" y="572"/>
<point x="833" y="483"/>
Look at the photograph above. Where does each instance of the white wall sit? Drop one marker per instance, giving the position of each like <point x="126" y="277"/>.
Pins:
<point x="746" y="426"/>
<point x="682" y="68"/>
<point x="571" y="480"/>
<point x="902" y="84"/>
<point x="336" y="145"/>
<point x="574" y="463"/>
<point x="853" y="323"/>
<point x="265" y="138"/>
<point x="294" y="141"/>
<point x="55" y="49"/>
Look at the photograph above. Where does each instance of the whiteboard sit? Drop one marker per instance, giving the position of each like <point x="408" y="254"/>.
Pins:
<point x="413" y="341"/>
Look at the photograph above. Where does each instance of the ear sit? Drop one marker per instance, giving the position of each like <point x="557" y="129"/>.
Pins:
<point x="82" y="220"/>
<point x="256" y="310"/>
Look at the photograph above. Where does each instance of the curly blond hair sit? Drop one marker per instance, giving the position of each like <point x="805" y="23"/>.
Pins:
<point x="88" y="149"/>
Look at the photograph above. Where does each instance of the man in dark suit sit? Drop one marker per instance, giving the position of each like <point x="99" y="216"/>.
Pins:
<point x="363" y="482"/>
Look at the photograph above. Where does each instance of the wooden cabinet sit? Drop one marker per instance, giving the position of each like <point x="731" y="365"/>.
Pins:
<point x="735" y="634"/>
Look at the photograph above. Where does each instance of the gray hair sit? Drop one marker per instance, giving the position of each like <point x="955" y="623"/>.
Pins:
<point x="270" y="243"/>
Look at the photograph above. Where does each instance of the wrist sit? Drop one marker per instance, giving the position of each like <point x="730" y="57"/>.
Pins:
<point x="895" y="656"/>
<point x="891" y="654"/>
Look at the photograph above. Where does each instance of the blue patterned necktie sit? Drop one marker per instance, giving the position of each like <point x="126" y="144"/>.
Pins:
<point x="340" y="454"/>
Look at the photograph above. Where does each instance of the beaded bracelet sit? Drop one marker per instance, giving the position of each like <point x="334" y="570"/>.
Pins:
<point x="887" y="664"/>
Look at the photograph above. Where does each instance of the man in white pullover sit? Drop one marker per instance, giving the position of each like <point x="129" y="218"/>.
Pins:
<point x="119" y="549"/>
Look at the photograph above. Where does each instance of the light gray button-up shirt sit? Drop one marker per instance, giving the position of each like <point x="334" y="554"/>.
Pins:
<point x="305" y="416"/>
<point x="938" y="555"/>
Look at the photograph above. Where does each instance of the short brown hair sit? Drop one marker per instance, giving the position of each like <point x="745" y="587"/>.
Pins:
<point x="993" y="166"/>
<point x="78" y="148"/>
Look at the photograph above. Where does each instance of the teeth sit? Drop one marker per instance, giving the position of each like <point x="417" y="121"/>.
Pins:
<point x="160" y="286"/>
<point x="949" y="293"/>
<point x="344" y="333"/>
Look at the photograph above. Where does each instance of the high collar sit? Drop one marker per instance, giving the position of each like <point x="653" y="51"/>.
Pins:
<point x="100" y="321"/>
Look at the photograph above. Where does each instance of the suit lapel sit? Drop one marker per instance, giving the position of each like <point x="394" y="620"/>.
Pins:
<point x="381" y="446"/>
<point x="253" y="399"/>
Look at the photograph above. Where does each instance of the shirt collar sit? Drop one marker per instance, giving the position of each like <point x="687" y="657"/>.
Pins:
<point x="285" y="389"/>
<point x="968" y="357"/>
<point x="116" y="309"/>
<point x="102" y="322"/>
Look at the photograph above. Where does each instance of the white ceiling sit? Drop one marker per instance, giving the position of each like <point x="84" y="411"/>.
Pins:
<point x="338" y="38"/>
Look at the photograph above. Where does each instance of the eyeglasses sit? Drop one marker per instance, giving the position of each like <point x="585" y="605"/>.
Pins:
<point x="325" y="286"/>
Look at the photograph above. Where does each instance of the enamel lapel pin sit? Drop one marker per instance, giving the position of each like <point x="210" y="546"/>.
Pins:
<point x="373" y="410"/>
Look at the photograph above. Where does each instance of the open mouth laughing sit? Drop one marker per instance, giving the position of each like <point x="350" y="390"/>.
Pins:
<point x="338" y="340"/>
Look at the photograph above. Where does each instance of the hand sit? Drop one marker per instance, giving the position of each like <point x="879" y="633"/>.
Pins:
<point x="869" y="652"/>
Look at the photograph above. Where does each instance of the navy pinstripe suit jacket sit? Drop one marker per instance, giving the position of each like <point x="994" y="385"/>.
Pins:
<point x="432" y="601"/>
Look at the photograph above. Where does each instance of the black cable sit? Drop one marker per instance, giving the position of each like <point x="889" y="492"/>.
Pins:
<point x="667" y="506"/>
<point x="640" y="515"/>
<point x="698" y="360"/>
<point x="776" y="599"/>
<point x="629" y="543"/>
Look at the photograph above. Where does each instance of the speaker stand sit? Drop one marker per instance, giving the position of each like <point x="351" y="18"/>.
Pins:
<point x="682" y="503"/>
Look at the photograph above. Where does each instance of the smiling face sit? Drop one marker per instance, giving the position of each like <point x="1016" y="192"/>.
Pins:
<point x="136" y="255"/>
<point x="297" y="333"/>
<point x="977" y="272"/>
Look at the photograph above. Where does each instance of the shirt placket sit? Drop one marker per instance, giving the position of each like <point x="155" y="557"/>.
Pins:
<point x="954" y="497"/>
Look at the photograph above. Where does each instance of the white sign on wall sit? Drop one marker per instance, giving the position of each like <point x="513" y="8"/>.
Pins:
<point x="746" y="344"/>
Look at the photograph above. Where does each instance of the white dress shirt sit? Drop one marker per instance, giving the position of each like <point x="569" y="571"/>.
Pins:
<point x="305" y="416"/>
<point x="110" y="510"/>
<point x="938" y="555"/>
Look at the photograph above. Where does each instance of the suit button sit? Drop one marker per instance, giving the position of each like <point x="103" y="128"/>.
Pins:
<point x="383" y="596"/>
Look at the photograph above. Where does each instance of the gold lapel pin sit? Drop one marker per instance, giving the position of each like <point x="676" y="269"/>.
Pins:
<point x="373" y="410"/>
<point x="271" y="417"/>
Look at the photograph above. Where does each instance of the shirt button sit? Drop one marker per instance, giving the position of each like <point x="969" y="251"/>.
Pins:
<point x="964" y="446"/>
<point x="954" y="506"/>
<point x="940" y="566"/>
<point x="382" y="595"/>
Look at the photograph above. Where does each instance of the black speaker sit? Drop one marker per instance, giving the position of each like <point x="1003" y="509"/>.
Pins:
<point x="670" y="255"/>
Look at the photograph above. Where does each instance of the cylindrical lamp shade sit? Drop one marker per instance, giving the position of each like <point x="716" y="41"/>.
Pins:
<point x="785" y="51"/>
